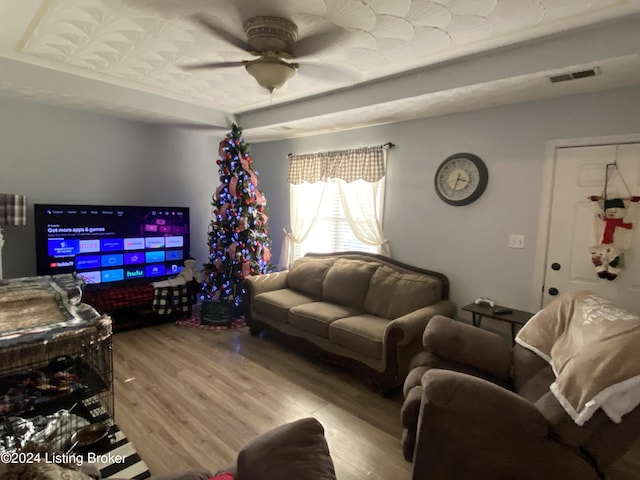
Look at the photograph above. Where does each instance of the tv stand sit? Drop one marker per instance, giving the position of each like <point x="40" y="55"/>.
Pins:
<point x="129" y="306"/>
<point x="109" y="298"/>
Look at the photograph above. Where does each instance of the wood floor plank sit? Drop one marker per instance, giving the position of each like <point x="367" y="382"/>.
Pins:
<point x="189" y="397"/>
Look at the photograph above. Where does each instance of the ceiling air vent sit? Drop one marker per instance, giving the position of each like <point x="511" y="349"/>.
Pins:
<point x="565" y="77"/>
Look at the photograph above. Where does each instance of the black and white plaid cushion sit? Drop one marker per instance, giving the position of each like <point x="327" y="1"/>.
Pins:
<point x="13" y="209"/>
<point x="169" y="299"/>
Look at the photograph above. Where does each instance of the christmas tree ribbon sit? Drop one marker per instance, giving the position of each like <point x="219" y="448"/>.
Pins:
<point x="233" y="186"/>
<point x="223" y="210"/>
<point x="244" y="161"/>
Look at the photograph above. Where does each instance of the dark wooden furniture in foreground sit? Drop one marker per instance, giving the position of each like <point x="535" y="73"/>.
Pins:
<point x="515" y="317"/>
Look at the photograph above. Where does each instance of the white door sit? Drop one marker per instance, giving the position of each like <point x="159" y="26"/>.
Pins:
<point x="579" y="173"/>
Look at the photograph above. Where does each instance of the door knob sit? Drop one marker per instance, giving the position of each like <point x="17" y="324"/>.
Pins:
<point x="553" y="291"/>
<point x="555" y="266"/>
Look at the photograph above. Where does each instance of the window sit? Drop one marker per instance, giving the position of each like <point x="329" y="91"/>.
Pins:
<point x="336" y="202"/>
<point x="331" y="231"/>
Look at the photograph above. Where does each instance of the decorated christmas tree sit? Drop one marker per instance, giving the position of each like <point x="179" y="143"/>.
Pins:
<point x="238" y="237"/>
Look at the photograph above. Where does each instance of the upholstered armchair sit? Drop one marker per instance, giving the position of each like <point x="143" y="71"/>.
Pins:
<point x="476" y="407"/>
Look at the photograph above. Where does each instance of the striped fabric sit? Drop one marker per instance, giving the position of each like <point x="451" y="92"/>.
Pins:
<point x="13" y="209"/>
<point x="366" y="163"/>
<point x="132" y="466"/>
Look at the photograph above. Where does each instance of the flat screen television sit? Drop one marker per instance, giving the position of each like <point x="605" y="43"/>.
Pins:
<point x="107" y="244"/>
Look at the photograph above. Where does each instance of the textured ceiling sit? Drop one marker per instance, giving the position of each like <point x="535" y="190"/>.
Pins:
<point x="140" y="45"/>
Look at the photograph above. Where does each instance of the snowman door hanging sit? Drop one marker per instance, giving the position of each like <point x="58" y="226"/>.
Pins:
<point x="612" y="227"/>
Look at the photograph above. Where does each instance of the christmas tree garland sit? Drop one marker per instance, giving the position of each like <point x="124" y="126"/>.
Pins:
<point x="238" y="236"/>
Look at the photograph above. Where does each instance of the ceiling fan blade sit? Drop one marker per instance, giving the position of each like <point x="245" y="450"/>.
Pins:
<point x="222" y="33"/>
<point x="318" y="42"/>
<point x="212" y="65"/>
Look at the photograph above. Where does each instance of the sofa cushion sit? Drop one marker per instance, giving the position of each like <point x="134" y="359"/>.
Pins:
<point x="306" y="275"/>
<point x="347" y="282"/>
<point x="526" y="364"/>
<point x="393" y="294"/>
<point x="361" y="333"/>
<point x="317" y="316"/>
<point x="538" y="385"/>
<point x="276" y="304"/>
<point x="296" y="450"/>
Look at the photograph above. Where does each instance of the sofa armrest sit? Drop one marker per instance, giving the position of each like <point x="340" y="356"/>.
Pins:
<point x="468" y="345"/>
<point x="485" y="402"/>
<point x="413" y="324"/>
<point x="268" y="282"/>
<point x="295" y="450"/>
<point x="471" y="428"/>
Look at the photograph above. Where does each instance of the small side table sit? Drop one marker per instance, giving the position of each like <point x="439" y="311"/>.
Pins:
<point x="516" y="317"/>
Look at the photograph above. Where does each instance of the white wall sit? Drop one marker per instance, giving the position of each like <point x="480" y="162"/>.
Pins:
<point x="468" y="244"/>
<point x="53" y="154"/>
<point x="56" y="155"/>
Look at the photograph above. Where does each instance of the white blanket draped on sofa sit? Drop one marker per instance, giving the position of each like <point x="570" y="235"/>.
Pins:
<point x="593" y="347"/>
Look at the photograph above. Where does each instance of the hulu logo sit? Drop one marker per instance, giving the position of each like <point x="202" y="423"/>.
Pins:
<point x="135" y="273"/>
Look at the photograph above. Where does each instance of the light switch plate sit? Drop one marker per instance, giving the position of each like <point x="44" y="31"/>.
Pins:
<point x="516" y="241"/>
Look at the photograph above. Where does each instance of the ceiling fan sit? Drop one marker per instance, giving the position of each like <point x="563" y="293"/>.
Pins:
<point x="273" y="43"/>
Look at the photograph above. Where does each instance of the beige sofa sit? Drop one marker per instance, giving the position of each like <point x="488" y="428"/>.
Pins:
<point x="364" y="311"/>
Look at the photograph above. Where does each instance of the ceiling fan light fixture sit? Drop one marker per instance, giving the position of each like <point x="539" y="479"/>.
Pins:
<point x="270" y="74"/>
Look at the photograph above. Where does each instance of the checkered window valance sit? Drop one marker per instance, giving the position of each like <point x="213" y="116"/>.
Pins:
<point x="366" y="163"/>
<point x="13" y="209"/>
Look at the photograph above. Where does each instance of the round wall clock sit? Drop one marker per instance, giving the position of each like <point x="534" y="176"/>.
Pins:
<point x="461" y="179"/>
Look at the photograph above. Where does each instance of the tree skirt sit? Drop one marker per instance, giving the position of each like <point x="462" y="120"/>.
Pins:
<point x="194" y="322"/>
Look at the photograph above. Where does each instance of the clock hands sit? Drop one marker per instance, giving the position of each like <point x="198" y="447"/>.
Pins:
<point x="455" y="185"/>
<point x="459" y="179"/>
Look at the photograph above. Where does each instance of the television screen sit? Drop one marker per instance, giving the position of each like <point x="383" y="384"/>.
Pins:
<point x="108" y="244"/>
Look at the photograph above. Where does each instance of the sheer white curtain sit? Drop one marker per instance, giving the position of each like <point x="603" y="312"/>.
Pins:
<point x="360" y="175"/>
<point x="362" y="204"/>
<point x="305" y="200"/>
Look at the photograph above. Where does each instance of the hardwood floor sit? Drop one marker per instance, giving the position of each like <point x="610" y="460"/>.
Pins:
<point x="188" y="397"/>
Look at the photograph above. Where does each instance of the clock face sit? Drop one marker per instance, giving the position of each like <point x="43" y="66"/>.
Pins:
<point x="461" y="179"/>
